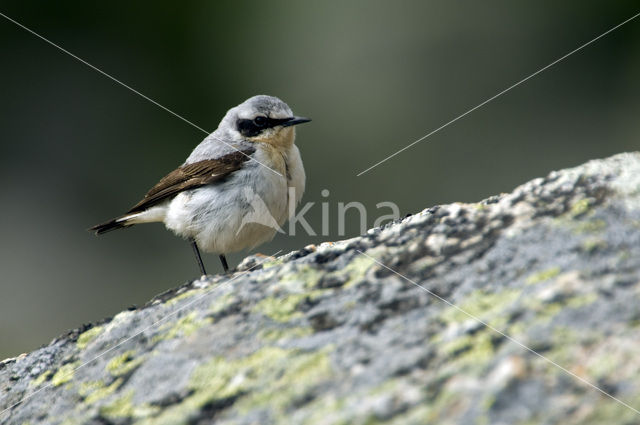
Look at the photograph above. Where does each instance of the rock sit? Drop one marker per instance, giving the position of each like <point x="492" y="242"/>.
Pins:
<point x="432" y="319"/>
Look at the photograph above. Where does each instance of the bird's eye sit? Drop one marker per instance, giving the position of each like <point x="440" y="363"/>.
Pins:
<point x="260" y="121"/>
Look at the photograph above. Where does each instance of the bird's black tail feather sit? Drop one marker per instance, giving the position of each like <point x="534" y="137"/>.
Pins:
<point x="108" y="226"/>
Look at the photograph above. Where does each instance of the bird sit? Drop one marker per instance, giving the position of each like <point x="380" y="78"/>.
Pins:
<point x="236" y="188"/>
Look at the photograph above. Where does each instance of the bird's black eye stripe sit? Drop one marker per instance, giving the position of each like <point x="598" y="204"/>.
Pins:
<point x="260" y="121"/>
<point x="251" y="128"/>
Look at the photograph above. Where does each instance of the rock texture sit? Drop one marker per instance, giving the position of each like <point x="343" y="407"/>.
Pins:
<point x="418" y="322"/>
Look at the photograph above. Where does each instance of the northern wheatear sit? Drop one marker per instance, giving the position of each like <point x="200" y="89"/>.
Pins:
<point x="207" y="200"/>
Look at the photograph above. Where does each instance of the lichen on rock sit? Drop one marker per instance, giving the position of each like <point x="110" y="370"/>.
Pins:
<point x="451" y="315"/>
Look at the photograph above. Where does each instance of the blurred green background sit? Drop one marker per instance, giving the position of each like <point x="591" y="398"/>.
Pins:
<point x="77" y="149"/>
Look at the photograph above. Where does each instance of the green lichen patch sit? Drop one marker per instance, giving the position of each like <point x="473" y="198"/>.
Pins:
<point x="41" y="378"/>
<point x="603" y="367"/>
<point x="281" y="309"/>
<point x="64" y="374"/>
<point x="490" y="306"/>
<point x="581" y="300"/>
<point x="351" y="274"/>
<point x="589" y="226"/>
<point x="122" y="410"/>
<point x="565" y="341"/>
<point x="362" y="407"/>
<point x="267" y="264"/>
<point x="94" y="391"/>
<point x="306" y="274"/>
<point x="580" y="218"/>
<point x="470" y="350"/>
<point x="185" y="326"/>
<point x="543" y="312"/>
<point x="182" y="296"/>
<point x="570" y="347"/>
<point x="221" y="303"/>
<point x="473" y="351"/>
<point x="86" y="337"/>
<point x="284" y="333"/>
<point x="581" y="207"/>
<point x="417" y="414"/>
<point x="517" y="329"/>
<point x="124" y="363"/>
<point x="592" y="245"/>
<point x="356" y="269"/>
<point x="289" y="380"/>
<point x="328" y="409"/>
<point x="479" y="206"/>
<point x="543" y="275"/>
<point x="269" y="378"/>
<point x="121" y="407"/>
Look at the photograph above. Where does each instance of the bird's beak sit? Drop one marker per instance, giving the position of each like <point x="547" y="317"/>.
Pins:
<point x="295" y="121"/>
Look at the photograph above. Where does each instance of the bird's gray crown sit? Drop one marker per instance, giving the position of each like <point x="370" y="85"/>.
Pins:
<point x="268" y="106"/>
<point x="258" y="115"/>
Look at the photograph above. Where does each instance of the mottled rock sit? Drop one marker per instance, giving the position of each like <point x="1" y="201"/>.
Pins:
<point x="506" y="311"/>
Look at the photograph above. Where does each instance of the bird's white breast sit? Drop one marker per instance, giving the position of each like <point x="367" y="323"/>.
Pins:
<point x="243" y="211"/>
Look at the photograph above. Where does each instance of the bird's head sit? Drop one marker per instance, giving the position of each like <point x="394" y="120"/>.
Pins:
<point x="262" y="119"/>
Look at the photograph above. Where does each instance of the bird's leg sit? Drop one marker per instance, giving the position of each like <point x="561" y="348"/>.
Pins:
<point x="223" y="260"/>
<point x="198" y="257"/>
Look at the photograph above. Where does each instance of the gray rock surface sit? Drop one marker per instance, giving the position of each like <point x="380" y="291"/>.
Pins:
<point x="422" y="321"/>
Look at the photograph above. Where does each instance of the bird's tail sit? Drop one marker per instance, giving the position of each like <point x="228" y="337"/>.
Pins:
<point x="116" y="223"/>
<point x="151" y="215"/>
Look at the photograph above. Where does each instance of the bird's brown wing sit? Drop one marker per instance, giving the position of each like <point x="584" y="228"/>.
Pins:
<point x="191" y="176"/>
